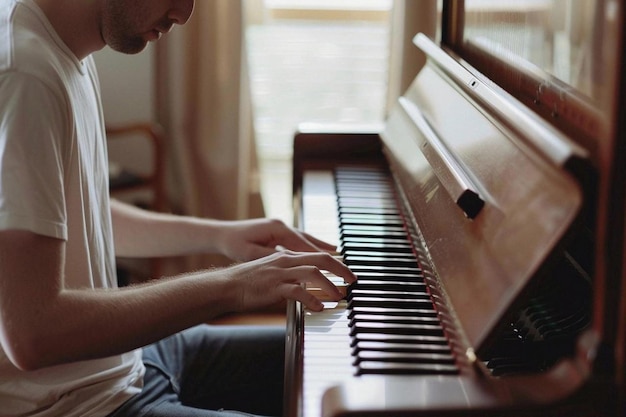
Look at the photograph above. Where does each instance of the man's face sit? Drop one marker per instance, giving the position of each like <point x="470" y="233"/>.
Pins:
<point x="128" y="25"/>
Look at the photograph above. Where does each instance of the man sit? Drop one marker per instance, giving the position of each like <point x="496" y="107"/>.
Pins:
<point x="71" y="342"/>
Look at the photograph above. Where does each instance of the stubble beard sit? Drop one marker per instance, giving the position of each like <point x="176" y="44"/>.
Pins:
<point x="118" y="31"/>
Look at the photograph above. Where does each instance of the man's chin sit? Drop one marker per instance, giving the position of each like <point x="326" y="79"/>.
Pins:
<point x="130" y="48"/>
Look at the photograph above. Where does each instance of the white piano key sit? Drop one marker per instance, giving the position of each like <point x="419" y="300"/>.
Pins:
<point x="327" y="355"/>
<point x="326" y="347"/>
<point x="319" y="206"/>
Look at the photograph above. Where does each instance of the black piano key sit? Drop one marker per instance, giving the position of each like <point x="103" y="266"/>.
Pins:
<point x="388" y="221"/>
<point x="364" y="205"/>
<point x="395" y="328"/>
<point x="383" y="246"/>
<point x="396" y="271"/>
<point x="572" y="328"/>
<point x="374" y="228"/>
<point x="384" y="368"/>
<point x="359" y="254"/>
<point x="390" y="311"/>
<point x="559" y="324"/>
<point x="375" y="233"/>
<point x="377" y="246"/>
<point x="390" y="304"/>
<point x="405" y="339"/>
<point x="359" y="173"/>
<point x="356" y="294"/>
<point x="377" y="194"/>
<point x="373" y="185"/>
<point x="386" y="261"/>
<point x="356" y="214"/>
<point x="346" y="210"/>
<point x="405" y="357"/>
<point x="363" y="283"/>
<point x="511" y="366"/>
<point x="404" y="276"/>
<point x="393" y="325"/>
<point x="383" y="318"/>
<point x="390" y="283"/>
<point x="374" y="190"/>
<point x="387" y="346"/>
<point x="399" y="262"/>
<point x="346" y="241"/>
<point x="352" y="252"/>
<point x="344" y="179"/>
<point x="362" y="177"/>
<point x="366" y="179"/>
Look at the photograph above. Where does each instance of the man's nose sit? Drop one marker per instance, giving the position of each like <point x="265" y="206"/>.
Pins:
<point x="181" y="11"/>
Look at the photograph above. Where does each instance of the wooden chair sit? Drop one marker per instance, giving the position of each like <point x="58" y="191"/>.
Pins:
<point x="128" y="179"/>
<point x="139" y="181"/>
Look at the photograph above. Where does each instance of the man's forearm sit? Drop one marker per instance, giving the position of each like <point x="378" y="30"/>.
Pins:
<point x="142" y="233"/>
<point x="87" y="324"/>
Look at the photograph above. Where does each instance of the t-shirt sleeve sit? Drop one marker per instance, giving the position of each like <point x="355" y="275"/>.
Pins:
<point x="34" y="147"/>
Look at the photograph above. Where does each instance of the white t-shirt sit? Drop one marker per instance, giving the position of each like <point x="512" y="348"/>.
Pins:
<point x="54" y="182"/>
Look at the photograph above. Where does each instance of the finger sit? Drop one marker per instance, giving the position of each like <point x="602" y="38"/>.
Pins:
<point x="303" y="242"/>
<point x="323" y="261"/>
<point x="320" y="284"/>
<point x="336" y="266"/>
<point x="298" y="293"/>
<point x="326" y="246"/>
<point x="322" y="295"/>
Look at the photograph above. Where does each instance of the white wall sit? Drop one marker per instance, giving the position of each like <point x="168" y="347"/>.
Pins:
<point x="127" y="85"/>
<point x="128" y="95"/>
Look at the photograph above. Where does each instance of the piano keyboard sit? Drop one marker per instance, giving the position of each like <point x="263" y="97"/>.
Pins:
<point x="387" y="325"/>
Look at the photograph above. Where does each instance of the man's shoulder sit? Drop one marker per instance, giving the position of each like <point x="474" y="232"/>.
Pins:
<point x="7" y="8"/>
<point x="23" y="49"/>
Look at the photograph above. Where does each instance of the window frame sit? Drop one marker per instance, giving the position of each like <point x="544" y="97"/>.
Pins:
<point x="574" y="114"/>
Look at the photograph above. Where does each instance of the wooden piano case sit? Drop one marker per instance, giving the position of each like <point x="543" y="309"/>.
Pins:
<point x="512" y="188"/>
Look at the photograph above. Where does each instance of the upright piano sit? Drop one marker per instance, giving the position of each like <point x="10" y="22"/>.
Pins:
<point x="471" y="221"/>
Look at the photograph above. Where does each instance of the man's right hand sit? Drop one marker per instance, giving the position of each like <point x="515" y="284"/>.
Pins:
<point x="280" y="276"/>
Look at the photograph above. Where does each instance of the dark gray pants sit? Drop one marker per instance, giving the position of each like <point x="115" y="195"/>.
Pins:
<point x="212" y="371"/>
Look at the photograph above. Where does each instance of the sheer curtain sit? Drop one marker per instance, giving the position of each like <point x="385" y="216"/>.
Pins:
<point x="204" y="104"/>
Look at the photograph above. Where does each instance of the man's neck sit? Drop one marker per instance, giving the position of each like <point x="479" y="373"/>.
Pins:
<point x="76" y="22"/>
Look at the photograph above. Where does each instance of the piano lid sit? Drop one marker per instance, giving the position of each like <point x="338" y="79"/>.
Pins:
<point x="493" y="188"/>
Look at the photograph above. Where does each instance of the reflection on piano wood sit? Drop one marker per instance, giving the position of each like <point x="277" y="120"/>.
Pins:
<point x="474" y="304"/>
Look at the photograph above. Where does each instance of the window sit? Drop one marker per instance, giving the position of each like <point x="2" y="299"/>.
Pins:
<point x="556" y="56"/>
<point x="312" y="61"/>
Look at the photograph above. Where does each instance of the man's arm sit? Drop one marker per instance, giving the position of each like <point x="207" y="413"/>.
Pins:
<point x="141" y="233"/>
<point x="43" y="324"/>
